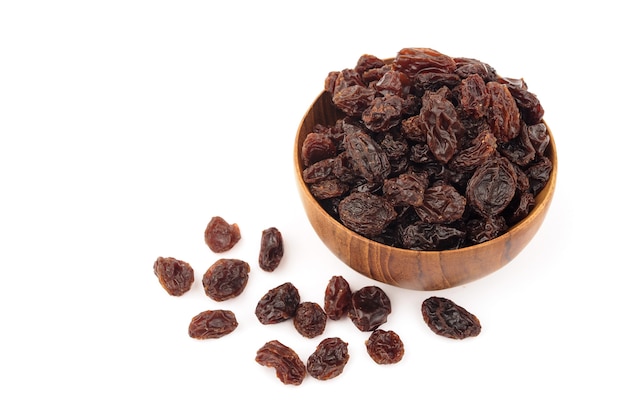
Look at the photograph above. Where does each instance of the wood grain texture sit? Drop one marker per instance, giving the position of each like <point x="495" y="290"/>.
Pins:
<point x="416" y="270"/>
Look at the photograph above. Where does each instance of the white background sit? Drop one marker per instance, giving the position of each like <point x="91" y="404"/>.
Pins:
<point x="126" y="125"/>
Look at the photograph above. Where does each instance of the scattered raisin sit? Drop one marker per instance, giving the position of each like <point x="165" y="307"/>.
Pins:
<point x="370" y="308"/>
<point x="272" y="249"/>
<point x="309" y="319"/>
<point x="337" y="298"/>
<point x="385" y="347"/>
<point x="329" y="359"/>
<point x="225" y="279"/>
<point x="221" y="236"/>
<point x="174" y="275"/>
<point x="212" y="324"/>
<point x="289" y="367"/>
<point x="278" y="304"/>
<point x="446" y="318"/>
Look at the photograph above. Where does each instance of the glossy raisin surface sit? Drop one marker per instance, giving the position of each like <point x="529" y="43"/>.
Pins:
<point x="337" y="298"/>
<point x="221" y="236"/>
<point x="329" y="359"/>
<point x="445" y="318"/>
<point x="225" y="279"/>
<point x="278" y="304"/>
<point x="272" y="249"/>
<point x="385" y="347"/>
<point x="212" y="324"/>
<point x="310" y="319"/>
<point x="370" y="308"/>
<point x="175" y="276"/>
<point x="289" y="367"/>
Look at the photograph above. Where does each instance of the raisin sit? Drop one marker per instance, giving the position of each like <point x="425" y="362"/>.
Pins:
<point x="290" y="369"/>
<point x="370" y="308"/>
<point x="174" y="275"/>
<point x="221" y="236"/>
<point x="337" y="298"/>
<point x="367" y="157"/>
<point x="484" y="229"/>
<point x="441" y="125"/>
<point x="212" y="324"/>
<point x="272" y="249"/>
<point x="366" y="213"/>
<point x="406" y="189"/>
<point x="383" y="113"/>
<point x="329" y="188"/>
<point x="225" y="279"/>
<point x="316" y="147"/>
<point x="445" y="318"/>
<point x="474" y="99"/>
<point x="441" y="204"/>
<point x="481" y="149"/>
<point x="431" y="237"/>
<point x="414" y="61"/>
<point x="504" y="115"/>
<point x="329" y="359"/>
<point x="309" y="319"/>
<point x="492" y="187"/>
<point x="385" y="347"/>
<point x="278" y="304"/>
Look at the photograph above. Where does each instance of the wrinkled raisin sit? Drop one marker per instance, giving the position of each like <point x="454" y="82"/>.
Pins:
<point x="309" y="319"/>
<point x="212" y="324"/>
<point x="385" y="347"/>
<point x="289" y="367"/>
<point x="278" y="304"/>
<point x="366" y="213"/>
<point x="445" y="318"/>
<point x="272" y="249"/>
<point x="174" y="275"/>
<point x="221" y="236"/>
<point x="337" y="298"/>
<point x="225" y="279"/>
<point x="370" y="308"/>
<point x="492" y="187"/>
<point x="329" y="359"/>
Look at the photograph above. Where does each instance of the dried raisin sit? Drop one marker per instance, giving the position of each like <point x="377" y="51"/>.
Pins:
<point x="370" y="308"/>
<point x="445" y="318"/>
<point x="221" y="236"/>
<point x="385" y="347"/>
<point x="337" y="298"/>
<point x="329" y="359"/>
<point x="309" y="319"/>
<point x="225" y="279"/>
<point x="212" y="324"/>
<point x="289" y="367"/>
<point x="278" y="304"/>
<point x="174" y="275"/>
<point x="272" y="249"/>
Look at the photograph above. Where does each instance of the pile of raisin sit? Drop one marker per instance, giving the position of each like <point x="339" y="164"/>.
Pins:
<point x="430" y="152"/>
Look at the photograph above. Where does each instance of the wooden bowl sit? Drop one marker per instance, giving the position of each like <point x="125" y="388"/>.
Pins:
<point x="411" y="269"/>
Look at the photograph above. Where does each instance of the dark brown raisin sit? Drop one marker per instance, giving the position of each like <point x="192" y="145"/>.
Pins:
<point x="441" y="204"/>
<point x="225" y="279"/>
<point x="367" y="157"/>
<point x="337" y="297"/>
<point x="212" y="324"/>
<point x="385" y="347"/>
<point x="492" y="187"/>
<point x="370" y="308"/>
<point x="221" y="236"/>
<point x="406" y="189"/>
<point x="431" y="237"/>
<point x="366" y="213"/>
<point x="445" y="318"/>
<point x="289" y="367"/>
<point x="272" y="249"/>
<point x="317" y="146"/>
<point x="310" y="319"/>
<point x="278" y="304"/>
<point x="504" y="115"/>
<point x="441" y="126"/>
<point x="329" y="359"/>
<point x="174" y="275"/>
